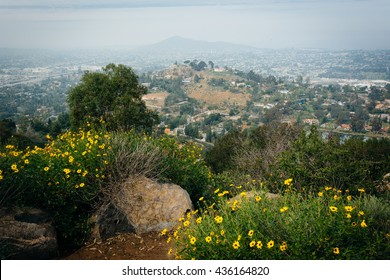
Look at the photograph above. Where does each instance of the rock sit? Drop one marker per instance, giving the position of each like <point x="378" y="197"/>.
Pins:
<point x="108" y="221"/>
<point x="27" y="233"/>
<point x="141" y="205"/>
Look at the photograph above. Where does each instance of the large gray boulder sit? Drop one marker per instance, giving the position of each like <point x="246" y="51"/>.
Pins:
<point x="27" y="233"/>
<point x="141" y="205"/>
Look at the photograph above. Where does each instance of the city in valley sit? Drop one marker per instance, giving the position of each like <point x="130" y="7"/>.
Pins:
<point x="207" y="92"/>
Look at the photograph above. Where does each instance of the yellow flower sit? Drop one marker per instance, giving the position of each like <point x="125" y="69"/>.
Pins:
<point x="348" y="216"/>
<point x="335" y="197"/>
<point x="200" y="199"/>
<point x="252" y="244"/>
<point x="186" y="223"/>
<point x="270" y="244"/>
<point x="218" y="219"/>
<point x="1" y="177"/>
<point x="328" y="188"/>
<point x="361" y="213"/>
<point x="71" y="159"/>
<point x="239" y="237"/>
<point x="82" y="185"/>
<point x="14" y="167"/>
<point x="259" y="244"/>
<point x="79" y="171"/>
<point x="250" y="233"/>
<point x="46" y="168"/>
<point x="333" y="208"/>
<point x="258" y="198"/>
<point x="199" y="220"/>
<point x="363" y="224"/>
<point x="349" y="198"/>
<point x="216" y="191"/>
<point x="236" y="244"/>
<point x="67" y="170"/>
<point x="208" y="239"/>
<point x="361" y="190"/>
<point x="283" y="247"/>
<point x="222" y="232"/>
<point x="354" y="224"/>
<point x="164" y="231"/>
<point x="336" y="250"/>
<point x="348" y="208"/>
<point x="287" y="182"/>
<point x="320" y="194"/>
<point x="193" y="240"/>
<point x="284" y="209"/>
<point x="26" y="161"/>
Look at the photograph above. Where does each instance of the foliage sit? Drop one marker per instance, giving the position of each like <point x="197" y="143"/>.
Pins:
<point x="159" y="157"/>
<point x="64" y="178"/>
<point x="185" y="166"/>
<point x="7" y="129"/>
<point x="113" y="97"/>
<point x="313" y="162"/>
<point x="251" y="152"/>
<point x="192" y="130"/>
<point x="327" y="225"/>
<point x="220" y="156"/>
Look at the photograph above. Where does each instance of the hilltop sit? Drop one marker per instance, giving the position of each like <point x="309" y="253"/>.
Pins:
<point x="214" y="100"/>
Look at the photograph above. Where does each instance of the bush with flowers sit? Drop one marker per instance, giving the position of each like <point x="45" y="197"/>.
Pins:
<point x="329" y="225"/>
<point x="64" y="177"/>
<point x="71" y="175"/>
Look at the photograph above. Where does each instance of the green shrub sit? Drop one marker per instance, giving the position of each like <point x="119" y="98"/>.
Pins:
<point x="185" y="166"/>
<point x="313" y="162"/>
<point x="64" y="178"/>
<point x="328" y="225"/>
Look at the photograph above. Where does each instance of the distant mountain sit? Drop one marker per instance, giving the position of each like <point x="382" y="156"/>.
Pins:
<point x="180" y="44"/>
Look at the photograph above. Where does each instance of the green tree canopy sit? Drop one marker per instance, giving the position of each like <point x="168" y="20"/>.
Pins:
<point x="112" y="97"/>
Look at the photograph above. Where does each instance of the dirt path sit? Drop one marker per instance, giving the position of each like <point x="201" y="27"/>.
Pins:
<point x="149" y="246"/>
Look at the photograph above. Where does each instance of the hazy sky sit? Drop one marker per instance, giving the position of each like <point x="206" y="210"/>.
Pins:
<point x="329" y="24"/>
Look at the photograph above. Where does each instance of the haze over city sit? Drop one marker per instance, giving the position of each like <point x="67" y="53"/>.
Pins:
<point x="86" y="24"/>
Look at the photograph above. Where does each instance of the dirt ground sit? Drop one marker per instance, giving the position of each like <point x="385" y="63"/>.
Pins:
<point x="148" y="246"/>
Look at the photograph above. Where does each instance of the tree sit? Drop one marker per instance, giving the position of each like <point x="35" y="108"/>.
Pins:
<point x="376" y="124"/>
<point x="357" y="125"/>
<point x="7" y="129"/>
<point x="112" y="97"/>
<point x="192" y="130"/>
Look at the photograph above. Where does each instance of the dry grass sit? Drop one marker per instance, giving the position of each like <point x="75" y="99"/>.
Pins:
<point x="133" y="158"/>
<point x="214" y="96"/>
<point x="155" y="99"/>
